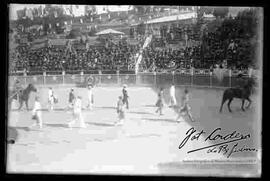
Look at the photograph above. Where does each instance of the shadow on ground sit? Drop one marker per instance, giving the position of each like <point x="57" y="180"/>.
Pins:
<point x="56" y="125"/>
<point x="100" y="124"/>
<point x="160" y="119"/>
<point x="140" y="112"/>
<point x="150" y="105"/>
<point x="106" y="107"/>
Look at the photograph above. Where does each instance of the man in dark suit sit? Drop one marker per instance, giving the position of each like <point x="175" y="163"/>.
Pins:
<point x="125" y="96"/>
<point x="71" y="98"/>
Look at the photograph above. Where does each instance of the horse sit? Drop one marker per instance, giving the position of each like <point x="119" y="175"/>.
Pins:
<point x="23" y="95"/>
<point x="242" y="93"/>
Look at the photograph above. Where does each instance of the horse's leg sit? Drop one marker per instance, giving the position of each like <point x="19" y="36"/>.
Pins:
<point x="26" y="103"/>
<point x="229" y="103"/>
<point x="249" y="102"/>
<point x="190" y="116"/>
<point x="178" y="116"/>
<point x="220" y="110"/>
<point x="243" y="103"/>
<point x="16" y="99"/>
<point x="21" y="103"/>
<point x="223" y="101"/>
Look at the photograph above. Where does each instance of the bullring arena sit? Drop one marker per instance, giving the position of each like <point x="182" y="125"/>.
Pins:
<point x="149" y="56"/>
<point x="146" y="143"/>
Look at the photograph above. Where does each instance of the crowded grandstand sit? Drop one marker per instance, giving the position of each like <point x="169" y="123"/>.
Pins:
<point x="51" y="38"/>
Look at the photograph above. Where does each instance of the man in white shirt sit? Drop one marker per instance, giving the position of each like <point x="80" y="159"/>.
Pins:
<point x="77" y="113"/>
<point x="90" y="97"/>
<point x="120" y="111"/>
<point x="185" y="108"/>
<point x="50" y="99"/>
<point x="172" y="95"/>
<point x="36" y="113"/>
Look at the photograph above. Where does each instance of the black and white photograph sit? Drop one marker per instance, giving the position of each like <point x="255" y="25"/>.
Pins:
<point x="159" y="90"/>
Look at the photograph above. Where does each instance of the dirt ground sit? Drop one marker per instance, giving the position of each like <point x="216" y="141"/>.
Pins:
<point x="145" y="144"/>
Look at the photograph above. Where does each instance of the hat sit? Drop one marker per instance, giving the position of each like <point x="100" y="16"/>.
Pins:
<point x="125" y="85"/>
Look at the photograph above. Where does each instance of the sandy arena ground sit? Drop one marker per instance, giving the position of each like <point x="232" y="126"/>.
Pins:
<point x="146" y="144"/>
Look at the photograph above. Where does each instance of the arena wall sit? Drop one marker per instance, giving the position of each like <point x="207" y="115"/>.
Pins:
<point x="143" y="79"/>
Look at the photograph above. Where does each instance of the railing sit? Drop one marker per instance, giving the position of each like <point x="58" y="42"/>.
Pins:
<point x="203" y="78"/>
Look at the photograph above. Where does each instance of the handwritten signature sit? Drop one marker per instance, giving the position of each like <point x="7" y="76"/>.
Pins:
<point x="224" y="140"/>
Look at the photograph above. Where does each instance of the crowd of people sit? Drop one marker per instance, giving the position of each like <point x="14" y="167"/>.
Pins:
<point x="61" y="58"/>
<point x="229" y="42"/>
<point x="121" y="57"/>
<point x="233" y="41"/>
<point x="162" y="59"/>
